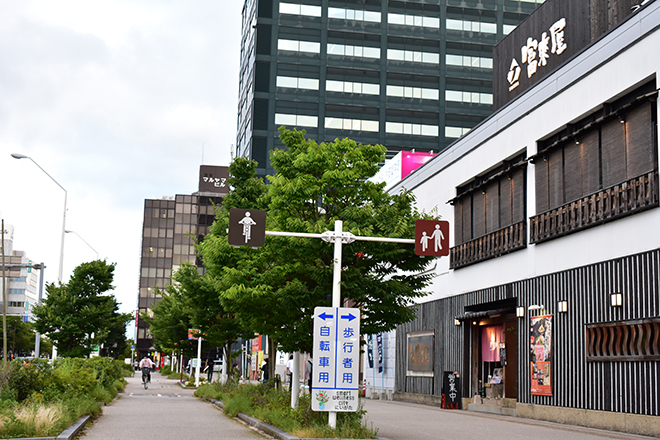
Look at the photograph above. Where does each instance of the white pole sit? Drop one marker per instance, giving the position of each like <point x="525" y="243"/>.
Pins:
<point x="336" y="293"/>
<point x="295" y="380"/>
<point x="199" y="359"/>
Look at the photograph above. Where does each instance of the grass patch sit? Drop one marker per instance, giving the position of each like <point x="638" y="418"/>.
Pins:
<point x="273" y="406"/>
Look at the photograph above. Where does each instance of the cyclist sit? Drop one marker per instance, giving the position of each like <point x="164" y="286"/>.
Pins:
<point x="146" y="365"/>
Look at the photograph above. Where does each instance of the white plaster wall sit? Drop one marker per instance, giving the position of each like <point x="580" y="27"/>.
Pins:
<point x="615" y="65"/>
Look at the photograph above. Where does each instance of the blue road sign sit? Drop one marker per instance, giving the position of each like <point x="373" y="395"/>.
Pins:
<point x="336" y="359"/>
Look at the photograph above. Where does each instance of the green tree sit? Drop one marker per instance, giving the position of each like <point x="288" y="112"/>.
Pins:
<point x="78" y="315"/>
<point x="20" y="336"/>
<point x="275" y="289"/>
<point x="170" y="321"/>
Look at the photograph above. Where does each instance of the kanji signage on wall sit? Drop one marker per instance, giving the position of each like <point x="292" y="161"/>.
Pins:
<point x="247" y="227"/>
<point x="432" y="238"/>
<point x="336" y="359"/>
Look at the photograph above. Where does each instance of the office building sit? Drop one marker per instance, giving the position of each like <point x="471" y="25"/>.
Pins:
<point x="409" y="75"/>
<point x="21" y="280"/>
<point x="169" y="229"/>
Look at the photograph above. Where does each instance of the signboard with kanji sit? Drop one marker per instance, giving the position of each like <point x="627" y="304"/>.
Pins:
<point x="432" y="238"/>
<point x="247" y="227"/>
<point x="336" y="359"/>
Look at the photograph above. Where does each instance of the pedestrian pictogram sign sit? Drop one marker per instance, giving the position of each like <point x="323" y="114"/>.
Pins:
<point x="432" y="238"/>
<point x="336" y="359"/>
<point x="247" y="227"/>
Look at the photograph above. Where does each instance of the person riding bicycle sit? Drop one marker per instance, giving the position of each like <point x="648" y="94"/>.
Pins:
<point x="146" y="365"/>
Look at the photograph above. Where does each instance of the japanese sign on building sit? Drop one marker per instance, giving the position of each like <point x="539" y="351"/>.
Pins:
<point x="247" y="227"/>
<point x="336" y="358"/>
<point x="213" y="179"/>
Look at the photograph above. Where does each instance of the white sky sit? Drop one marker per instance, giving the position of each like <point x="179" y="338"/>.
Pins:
<point x="119" y="101"/>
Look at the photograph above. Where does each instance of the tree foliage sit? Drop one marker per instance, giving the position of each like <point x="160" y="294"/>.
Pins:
<point x="273" y="290"/>
<point x="78" y="315"/>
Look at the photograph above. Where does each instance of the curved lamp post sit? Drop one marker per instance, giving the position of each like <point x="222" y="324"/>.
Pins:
<point x="22" y="156"/>
<point x="90" y="246"/>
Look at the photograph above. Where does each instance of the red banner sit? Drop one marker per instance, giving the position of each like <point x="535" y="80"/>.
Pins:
<point x="541" y="355"/>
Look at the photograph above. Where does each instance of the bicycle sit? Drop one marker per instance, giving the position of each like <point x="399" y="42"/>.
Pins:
<point x="146" y="377"/>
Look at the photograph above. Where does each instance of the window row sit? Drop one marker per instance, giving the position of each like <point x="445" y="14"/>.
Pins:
<point x="473" y="97"/>
<point x="351" y="124"/>
<point x="15" y="304"/>
<point x="455" y="132"/>
<point x="16" y="291"/>
<point x="469" y="61"/>
<point x="299" y="46"/>
<point x="413" y="20"/>
<point x="374" y="89"/>
<point x="353" y="14"/>
<point x="472" y="26"/>
<point x="153" y="272"/>
<point x="392" y="54"/>
<point x="413" y="129"/>
<point x="306" y="10"/>
<point x="356" y="51"/>
<point x="413" y="56"/>
<point x="357" y="124"/>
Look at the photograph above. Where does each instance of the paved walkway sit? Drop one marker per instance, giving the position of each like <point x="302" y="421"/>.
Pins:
<point x="163" y="412"/>
<point x="404" y="421"/>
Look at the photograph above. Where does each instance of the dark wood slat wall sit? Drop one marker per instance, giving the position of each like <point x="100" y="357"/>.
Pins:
<point x="619" y="386"/>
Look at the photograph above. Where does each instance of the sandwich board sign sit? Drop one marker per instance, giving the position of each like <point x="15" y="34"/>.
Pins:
<point x="336" y="359"/>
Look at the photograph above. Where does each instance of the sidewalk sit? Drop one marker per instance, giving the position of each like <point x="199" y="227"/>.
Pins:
<point x="163" y="412"/>
<point x="402" y="421"/>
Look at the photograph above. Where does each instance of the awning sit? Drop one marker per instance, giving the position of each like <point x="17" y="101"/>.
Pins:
<point x="472" y="315"/>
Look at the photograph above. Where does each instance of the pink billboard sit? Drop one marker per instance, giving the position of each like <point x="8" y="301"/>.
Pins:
<point x="411" y="160"/>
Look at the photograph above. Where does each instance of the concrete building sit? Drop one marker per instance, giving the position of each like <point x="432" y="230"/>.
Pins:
<point x="22" y="283"/>
<point x="407" y="74"/>
<point x="169" y="227"/>
<point x="549" y="305"/>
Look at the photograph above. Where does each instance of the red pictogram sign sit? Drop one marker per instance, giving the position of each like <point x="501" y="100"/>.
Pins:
<point x="432" y="238"/>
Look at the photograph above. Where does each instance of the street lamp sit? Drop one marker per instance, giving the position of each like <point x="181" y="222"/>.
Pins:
<point x="22" y="156"/>
<point x="74" y="232"/>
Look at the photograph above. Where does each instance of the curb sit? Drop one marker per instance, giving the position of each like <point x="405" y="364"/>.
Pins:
<point x="265" y="427"/>
<point x="69" y="433"/>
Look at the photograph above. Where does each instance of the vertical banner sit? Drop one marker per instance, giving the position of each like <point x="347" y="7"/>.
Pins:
<point x="370" y="350"/>
<point x="379" y="342"/>
<point x="541" y="355"/>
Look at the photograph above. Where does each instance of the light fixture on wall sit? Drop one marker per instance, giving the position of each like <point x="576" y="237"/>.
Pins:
<point x="457" y="322"/>
<point x="622" y="119"/>
<point x="520" y="312"/>
<point x="577" y="141"/>
<point x="562" y="306"/>
<point x="617" y="299"/>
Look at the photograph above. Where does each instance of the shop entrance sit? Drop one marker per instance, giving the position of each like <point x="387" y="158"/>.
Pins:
<point x="493" y="351"/>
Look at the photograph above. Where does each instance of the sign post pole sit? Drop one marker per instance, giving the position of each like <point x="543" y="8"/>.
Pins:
<point x="432" y="237"/>
<point x="199" y="359"/>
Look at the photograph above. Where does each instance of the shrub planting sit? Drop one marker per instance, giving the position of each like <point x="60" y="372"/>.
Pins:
<point x="38" y="399"/>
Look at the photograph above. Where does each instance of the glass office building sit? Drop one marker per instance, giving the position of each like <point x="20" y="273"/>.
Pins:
<point x="170" y="228"/>
<point x="404" y="74"/>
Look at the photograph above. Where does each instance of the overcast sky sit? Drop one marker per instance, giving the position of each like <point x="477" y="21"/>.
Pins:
<point x="119" y="101"/>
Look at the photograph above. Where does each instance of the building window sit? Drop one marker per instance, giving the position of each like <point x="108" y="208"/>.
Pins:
<point x="413" y="92"/>
<point x="469" y="61"/>
<point x="471" y="97"/>
<point x="351" y="124"/>
<point x="471" y="26"/>
<point x="296" y="120"/>
<point x="413" y="20"/>
<point x="413" y="56"/>
<point x="299" y="46"/>
<point x="489" y="214"/>
<point x="455" y="132"/>
<point x="297" y="83"/>
<point x="413" y="129"/>
<point x="352" y="14"/>
<point x="305" y="10"/>
<point x="598" y="169"/>
<point x="352" y="87"/>
<point x="353" y="51"/>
